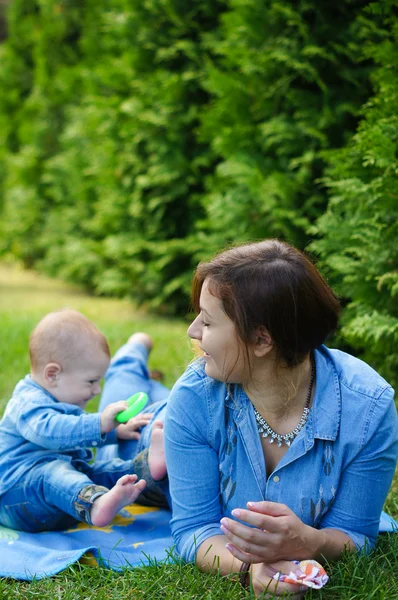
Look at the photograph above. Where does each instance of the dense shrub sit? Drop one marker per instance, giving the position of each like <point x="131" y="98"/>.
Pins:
<point x="359" y="244"/>
<point x="286" y="81"/>
<point x="114" y="204"/>
<point x="139" y="137"/>
<point x="37" y="82"/>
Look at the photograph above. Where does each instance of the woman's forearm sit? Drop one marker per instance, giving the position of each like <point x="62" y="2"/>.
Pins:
<point x="270" y="531"/>
<point x="327" y="544"/>
<point x="212" y="555"/>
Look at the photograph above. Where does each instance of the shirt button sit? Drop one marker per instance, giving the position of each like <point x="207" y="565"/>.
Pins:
<point x="276" y="479"/>
<point x="95" y="443"/>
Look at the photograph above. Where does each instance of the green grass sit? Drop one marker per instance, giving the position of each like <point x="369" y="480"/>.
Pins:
<point x="25" y="297"/>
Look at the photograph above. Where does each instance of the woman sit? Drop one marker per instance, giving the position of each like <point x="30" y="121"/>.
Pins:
<point x="277" y="448"/>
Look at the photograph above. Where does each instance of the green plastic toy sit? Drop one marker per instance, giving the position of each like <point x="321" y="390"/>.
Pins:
<point x="136" y="404"/>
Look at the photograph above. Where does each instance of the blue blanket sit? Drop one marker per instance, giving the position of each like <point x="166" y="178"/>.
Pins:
<point x="136" y="536"/>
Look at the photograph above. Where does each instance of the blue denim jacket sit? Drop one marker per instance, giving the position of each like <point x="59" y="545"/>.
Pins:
<point x="336" y="474"/>
<point x="36" y="428"/>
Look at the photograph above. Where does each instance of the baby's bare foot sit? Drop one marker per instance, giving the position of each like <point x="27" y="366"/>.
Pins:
<point x="156" y="457"/>
<point x="125" y="492"/>
<point x="141" y="338"/>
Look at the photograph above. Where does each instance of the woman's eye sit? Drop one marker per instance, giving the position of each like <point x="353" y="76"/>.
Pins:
<point x="203" y="322"/>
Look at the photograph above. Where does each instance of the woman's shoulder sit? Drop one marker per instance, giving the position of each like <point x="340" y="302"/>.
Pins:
<point x="195" y="374"/>
<point x="355" y="375"/>
<point x="197" y="401"/>
<point x="195" y="383"/>
<point x="353" y="398"/>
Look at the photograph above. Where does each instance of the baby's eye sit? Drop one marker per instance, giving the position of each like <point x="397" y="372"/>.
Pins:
<point x="91" y="381"/>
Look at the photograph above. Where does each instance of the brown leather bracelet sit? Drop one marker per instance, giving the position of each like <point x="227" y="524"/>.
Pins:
<point x="243" y="573"/>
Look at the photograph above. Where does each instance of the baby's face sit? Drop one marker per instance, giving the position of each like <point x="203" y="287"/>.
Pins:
<point x="80" y="380"/>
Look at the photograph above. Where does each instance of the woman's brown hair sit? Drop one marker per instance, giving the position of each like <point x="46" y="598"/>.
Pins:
<point x="272" y="284"/>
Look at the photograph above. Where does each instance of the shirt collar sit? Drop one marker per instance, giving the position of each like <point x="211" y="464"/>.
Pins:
<point x="324" y="420"/>
<point x="30" y="383"/>
<point x="326" y="406"/>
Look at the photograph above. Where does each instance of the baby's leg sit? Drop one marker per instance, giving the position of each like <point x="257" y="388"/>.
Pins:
<point x="128" y="371"/>
<point x="156" y="457"/>
<point x="125" y="492"/>
<point x="150" y="464"/>
<point x="141" y="338"/>
<point x="47" y="497"/>
<point x="24" y="508"/>
<point x="128" y="374"/>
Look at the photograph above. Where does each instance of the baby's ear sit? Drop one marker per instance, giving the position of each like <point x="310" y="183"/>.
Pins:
<point x="51" y="373"/>
<point x="262" y="341"/>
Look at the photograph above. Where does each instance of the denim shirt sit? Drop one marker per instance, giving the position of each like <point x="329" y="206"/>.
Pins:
<point x="336" y="474"/>
<point x="37" y="428"/>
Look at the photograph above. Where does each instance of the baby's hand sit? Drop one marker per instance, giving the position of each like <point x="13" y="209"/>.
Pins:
<point x="129" y="430"/>
<point x="109" y="413"/>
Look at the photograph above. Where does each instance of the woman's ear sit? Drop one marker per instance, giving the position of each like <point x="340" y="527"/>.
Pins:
<point x="262" y="341"/>
<point x="51" y="373"/>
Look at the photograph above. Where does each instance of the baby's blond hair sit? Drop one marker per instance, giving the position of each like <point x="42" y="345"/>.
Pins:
<point x="63" y="336"/>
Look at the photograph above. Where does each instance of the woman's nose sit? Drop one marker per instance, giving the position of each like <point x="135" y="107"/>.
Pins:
<point x="195" y="330"/>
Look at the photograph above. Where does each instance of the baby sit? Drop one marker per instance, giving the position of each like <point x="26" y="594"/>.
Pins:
<point x="47" y="477"/>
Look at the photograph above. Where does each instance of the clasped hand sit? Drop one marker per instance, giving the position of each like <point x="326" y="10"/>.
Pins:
<point x="276" y="535"/>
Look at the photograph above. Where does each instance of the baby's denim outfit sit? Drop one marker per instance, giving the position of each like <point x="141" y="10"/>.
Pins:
<point x="48" y="478"/>
<point x="128" y="374"/>
<point x="336" y="474"/>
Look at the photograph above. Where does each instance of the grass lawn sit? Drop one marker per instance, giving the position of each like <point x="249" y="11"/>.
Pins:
<point x="25" y="297"/>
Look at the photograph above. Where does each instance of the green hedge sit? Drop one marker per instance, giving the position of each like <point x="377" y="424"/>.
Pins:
<point x="359" y="245"/>
<point x="286" y="80"/>
<point x="138" y="137"/>
<point x="141" y="137"/>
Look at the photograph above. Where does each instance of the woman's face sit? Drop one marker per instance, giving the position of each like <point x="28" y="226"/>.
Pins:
<point x="223" y="351"/>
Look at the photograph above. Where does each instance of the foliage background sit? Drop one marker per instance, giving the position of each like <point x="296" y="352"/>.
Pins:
<point x="139" y="137"/>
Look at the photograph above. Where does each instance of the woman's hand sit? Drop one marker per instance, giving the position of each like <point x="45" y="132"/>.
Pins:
<point x="263" y="582"/>
<point x="278" y="535"/>
<point x="129" y="430"/>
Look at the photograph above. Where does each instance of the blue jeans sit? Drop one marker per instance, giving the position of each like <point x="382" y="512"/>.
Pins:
<point x="54" y="494"/>
<point x="127" y="375"/>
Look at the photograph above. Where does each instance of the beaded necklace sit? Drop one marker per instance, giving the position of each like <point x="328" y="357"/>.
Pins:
<point x="266" y="431"/>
